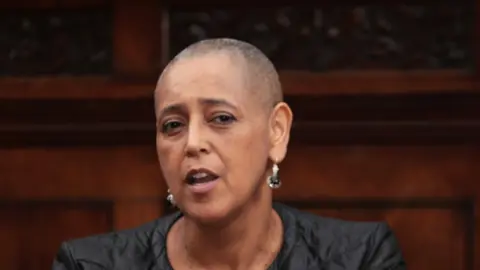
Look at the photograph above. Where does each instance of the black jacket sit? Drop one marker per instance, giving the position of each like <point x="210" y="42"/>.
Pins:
<point x="310" y="243"/>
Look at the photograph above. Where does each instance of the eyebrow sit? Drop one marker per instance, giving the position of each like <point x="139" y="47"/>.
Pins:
<point x="204" y="101"/>
<point x="213" y="101"/>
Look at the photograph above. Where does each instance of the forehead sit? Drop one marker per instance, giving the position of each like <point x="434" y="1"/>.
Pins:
<point x="207" y="76"/>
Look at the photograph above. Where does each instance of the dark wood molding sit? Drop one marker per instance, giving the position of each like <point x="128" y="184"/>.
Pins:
<point x="112" y="134"/>
<point x="365" y="119"/>
<point x="465" y="204"/>
<point x="337" y="109"/>
<point x="125" y="84"/>
<point x="385" y="133"/>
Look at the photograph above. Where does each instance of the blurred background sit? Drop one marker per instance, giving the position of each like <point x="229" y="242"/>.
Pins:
<point x="386" y="101"/>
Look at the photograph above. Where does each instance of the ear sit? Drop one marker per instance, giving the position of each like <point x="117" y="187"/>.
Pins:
<point x="280" y="125"/>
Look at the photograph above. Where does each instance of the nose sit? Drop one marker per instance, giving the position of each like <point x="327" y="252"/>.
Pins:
<point x="196" y="141"/>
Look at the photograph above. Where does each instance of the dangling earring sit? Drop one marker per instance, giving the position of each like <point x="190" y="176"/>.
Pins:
<point x="274" y="180"/>
<point x="170" y="198"/>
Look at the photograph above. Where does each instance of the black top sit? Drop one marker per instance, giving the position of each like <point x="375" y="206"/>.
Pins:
<point x="310" y="242"/>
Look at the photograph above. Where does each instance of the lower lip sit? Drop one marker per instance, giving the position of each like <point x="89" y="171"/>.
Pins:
<point x="203" y="188"/>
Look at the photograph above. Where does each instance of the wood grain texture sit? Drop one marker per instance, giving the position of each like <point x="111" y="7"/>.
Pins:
<point x="313" y="173"/>
<point x="130" y="213"/>
<point x="80" y="173"/>
<point x="32" y="231"/>
<point x="73" y="87"/>
<point x="377" y="82"/>
<point x="137" y="38"/>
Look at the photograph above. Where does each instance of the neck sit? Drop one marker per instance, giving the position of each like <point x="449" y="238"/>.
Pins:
<point x="244" y="240"/>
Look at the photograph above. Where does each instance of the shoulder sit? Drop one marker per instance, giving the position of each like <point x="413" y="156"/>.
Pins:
<point x="126" y="249"/>
<point x="342" y="242"/>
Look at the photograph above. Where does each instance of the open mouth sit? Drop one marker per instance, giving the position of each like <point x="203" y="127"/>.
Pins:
<point x="200" y="176"/>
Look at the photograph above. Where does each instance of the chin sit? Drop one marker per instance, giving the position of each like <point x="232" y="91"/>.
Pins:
<point x="208" y="213"/>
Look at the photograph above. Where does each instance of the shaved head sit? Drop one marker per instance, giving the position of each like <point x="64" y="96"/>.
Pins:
<point x="218" y="105"/>
<point x="258" y="71"/>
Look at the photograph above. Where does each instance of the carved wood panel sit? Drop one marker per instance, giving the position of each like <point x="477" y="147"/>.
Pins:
<point x="55" y="42"/>
<point x="333" y="37"/>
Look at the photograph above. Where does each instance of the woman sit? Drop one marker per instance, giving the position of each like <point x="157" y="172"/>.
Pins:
<point x="222" y="130"/>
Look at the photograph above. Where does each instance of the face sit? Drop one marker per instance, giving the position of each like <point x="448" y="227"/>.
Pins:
<point x="214" y="138"/>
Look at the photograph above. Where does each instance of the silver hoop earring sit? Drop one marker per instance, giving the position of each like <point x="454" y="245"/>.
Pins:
<point x="274" y="180"/>
<point x="170" y="198"/>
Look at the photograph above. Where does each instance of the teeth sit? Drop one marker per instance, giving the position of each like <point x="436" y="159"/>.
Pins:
<point x="200" y="175"/>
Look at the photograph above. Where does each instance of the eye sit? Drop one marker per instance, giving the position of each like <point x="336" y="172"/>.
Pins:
<point x="171" y="126"/>
<point x="223" y="119"/>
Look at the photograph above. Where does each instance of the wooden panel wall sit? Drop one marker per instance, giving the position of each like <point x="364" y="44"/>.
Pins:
<point x="31" y="230"/>
<point x="377" y="136"/>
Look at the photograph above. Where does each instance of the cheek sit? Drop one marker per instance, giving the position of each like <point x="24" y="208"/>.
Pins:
<point x="169" y="160"/>
<point x="247" y="157"/>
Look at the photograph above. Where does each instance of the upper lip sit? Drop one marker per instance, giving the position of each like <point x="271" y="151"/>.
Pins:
<point x="192" y="172"/>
